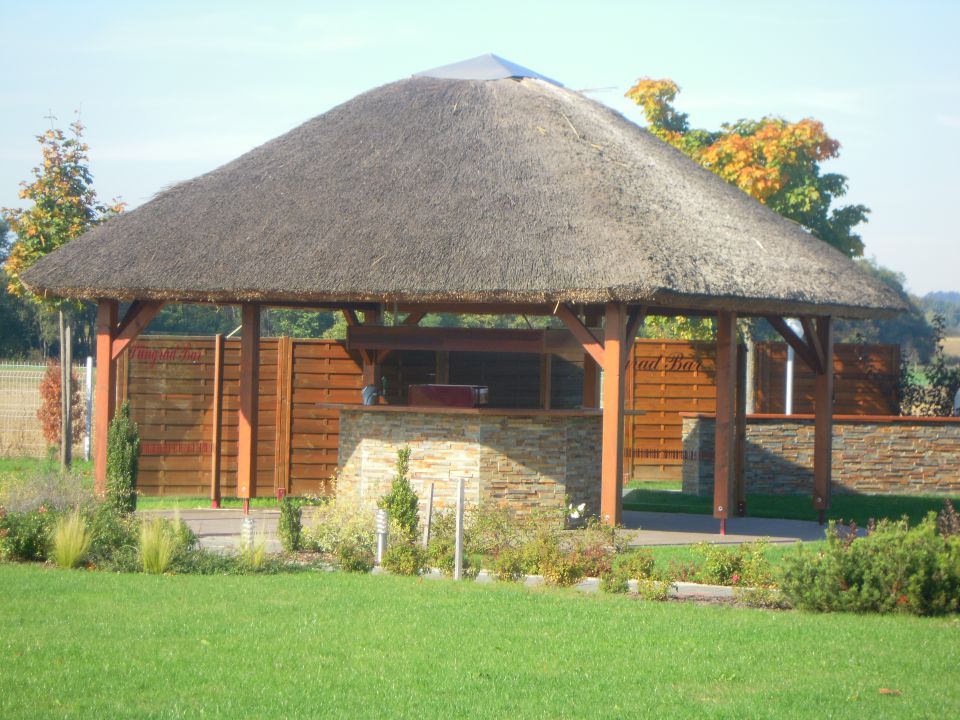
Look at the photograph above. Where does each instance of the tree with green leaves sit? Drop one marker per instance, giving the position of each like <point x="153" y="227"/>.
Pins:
<point x="63" y="204"/>
<point x="771" y="159"/>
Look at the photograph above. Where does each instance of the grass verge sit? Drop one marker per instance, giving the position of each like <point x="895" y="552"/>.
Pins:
<point x="81" y="644"/>
<point x="794" y="507"/>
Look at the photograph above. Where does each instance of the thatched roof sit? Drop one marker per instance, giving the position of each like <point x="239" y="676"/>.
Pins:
<point x="447" y="189"/>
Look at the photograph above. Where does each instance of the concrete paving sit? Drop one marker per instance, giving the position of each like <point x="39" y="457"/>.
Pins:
<point x="683" y="529"/>
<point x="220" y="529"/>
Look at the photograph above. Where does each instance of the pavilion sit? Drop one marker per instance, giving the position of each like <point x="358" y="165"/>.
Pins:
<point x="480" y="187"/>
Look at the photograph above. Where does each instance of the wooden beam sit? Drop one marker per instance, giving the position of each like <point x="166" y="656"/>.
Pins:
<point x="216" y="421"/>
<point x="403" y="337"/>
<point x="351" y="317"/>
<point x="249" y="397"/>
<point x="813" y="342"/>
<point x="478" y="308"/>
<point x="823" y="422"/>
<point x="371" y="360"/>
<point x="805" y="352"/>
<point x="106" y="391"/>
<point x="546" y="371"/>
<point x="740" y="436"/>
<point x="412" y="319"/>
<point x="724" y="466"/>
<point x="591" y="369"/>
<point x="135" y="320"/>
<point x="635" y="319"/>
<point x="611" y="465"/>
<point x="583" y="334"/>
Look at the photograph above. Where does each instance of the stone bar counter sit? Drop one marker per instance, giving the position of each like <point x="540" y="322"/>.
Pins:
<point x="523" y="460"/>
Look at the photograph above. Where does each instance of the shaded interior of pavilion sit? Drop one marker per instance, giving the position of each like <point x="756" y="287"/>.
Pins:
<point x="603" y="333"/>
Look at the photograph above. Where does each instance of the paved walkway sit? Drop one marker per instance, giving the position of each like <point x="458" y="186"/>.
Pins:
<point x="220" y="529"/>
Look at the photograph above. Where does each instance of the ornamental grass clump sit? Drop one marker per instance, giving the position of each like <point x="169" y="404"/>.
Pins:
<point x="71" y="540"/>
<point x="253" y="554"/>
<point x="158" y="545"/>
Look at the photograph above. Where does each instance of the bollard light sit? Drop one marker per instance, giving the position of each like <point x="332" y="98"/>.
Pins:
<point x="383" y="529"/>
<point x="246" y="532"/>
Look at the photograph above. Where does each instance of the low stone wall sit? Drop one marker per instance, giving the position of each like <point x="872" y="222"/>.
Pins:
<point x="875" y="455"/>
<point x="522" y="462"/>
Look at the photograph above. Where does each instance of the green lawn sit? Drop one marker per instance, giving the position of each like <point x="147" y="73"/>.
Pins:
<point x="22" y="465"/>
<point x="169" y="502"/>
<point x="798" y="507"/>
<point x="80" y="644"/>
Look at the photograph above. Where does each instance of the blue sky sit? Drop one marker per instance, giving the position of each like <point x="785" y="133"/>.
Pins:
<point x="169" y="90"/>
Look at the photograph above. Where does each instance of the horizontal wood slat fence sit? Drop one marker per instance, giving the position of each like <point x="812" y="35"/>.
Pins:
<point x="170" y="382"/>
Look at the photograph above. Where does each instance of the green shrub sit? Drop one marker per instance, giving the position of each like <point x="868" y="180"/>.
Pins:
<point x="614" y="582"/>
<point x="123" y="457"/>
<point x="25" y="535"/>
<point x="509" y="565"/>
<point x="635" y="565"/>
<point x="115" y="539"/>
<point x="742" y="564"/>
<point x="651" y="589"/>
<point x="562" y="570"/>
<point x="404" y="558"/>
<point x="291" y="523"/>
<point x="402" y="502"/>
<point x="158" y="546"/>
<point x="539" y="551"/>
<point x="355" y="558"/>
<point x="338" y="523"/>
<point x="895" y="568"/>
<point x="71" y="540"/>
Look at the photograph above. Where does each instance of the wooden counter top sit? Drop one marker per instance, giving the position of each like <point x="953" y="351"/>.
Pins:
<point x="421" y="409"/>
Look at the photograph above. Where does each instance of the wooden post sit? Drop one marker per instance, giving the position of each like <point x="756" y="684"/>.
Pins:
<point x="611" y="465"/>
<point x="66" y="395"/>
<point x="249" y="396"/>
<point x="216" y="421"/>
<point x="371" y="360"/>
<point x="823" y="421"/>
<point x="458" y="538"/>
<point x="724" y="465"/>
<point x="591" y="371"/>
<point x="105" y="391"/>
<point x="740" y="440"/>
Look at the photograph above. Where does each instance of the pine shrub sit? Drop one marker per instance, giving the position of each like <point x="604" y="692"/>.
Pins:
<point x="123" y="457"/>
<point x="402" y="502"/>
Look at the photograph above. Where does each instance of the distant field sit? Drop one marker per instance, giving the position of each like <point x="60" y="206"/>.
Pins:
<point x="951" y="346"/>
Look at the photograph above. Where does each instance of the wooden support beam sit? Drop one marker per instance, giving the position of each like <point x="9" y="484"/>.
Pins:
<point x="216" y="435"/>
<point x="371" y="360"/>
<point x="812" y="339"/>
<point x="546" y="371"/>
<point x="249" y="398"/>
<point x="635" y="319"/>
<point x="740" y="437"/>
<point x="135" y="320"/>
<point x="823" y="421"/>
<point x="583" y="334"/>
<point x="478" y="308"/>
<point x="106" y="391"/>
<point x="724" y="465"/>
<point x="413" y="337"/>
<point x="410" y="320"/>
<point x="806" y="353"/>
<point x="611" y="465"/>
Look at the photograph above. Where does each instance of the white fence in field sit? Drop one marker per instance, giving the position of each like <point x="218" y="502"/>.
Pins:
<point x="20" y="431"/>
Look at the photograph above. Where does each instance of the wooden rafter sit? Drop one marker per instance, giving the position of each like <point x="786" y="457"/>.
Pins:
<point x="582" y="333"/>
<point x="635" y="319"/>
<point x="137" y="317"/>
<point x="801" y="348"/>
<point x="813" y="340"/>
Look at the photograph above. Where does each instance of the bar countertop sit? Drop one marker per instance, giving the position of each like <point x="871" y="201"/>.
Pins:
<point x="427" y="409"/>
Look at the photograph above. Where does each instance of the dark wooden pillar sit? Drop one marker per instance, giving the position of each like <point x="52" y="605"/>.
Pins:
<point x="823" y="420"/>
<point x="724" y="450"/>
<point x="740" y="439"/>
<point x="371" y="359"/>
<point x="611" y="466"/>
<point x="106" y="390"/>
<point x="591" y="371"/>
<point x="249" y="396"/>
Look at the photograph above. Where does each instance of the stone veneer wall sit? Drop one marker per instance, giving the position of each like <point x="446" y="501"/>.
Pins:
<point x="885" y="456"/>
<point x="522" y="462"/>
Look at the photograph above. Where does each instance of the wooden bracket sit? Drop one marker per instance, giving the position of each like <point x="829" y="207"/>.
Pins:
<point x="635" y="319"/>
<point x="137" y="317"/>
<point x="582" y="333"/>
<point x="806" y="352"/>
<point x="413" y="318"/>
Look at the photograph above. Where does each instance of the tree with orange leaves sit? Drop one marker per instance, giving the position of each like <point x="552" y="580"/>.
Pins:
<point x="773" y="160"/>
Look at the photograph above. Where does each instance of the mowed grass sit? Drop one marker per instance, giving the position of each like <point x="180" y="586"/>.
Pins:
<point x="79" y="644"/>
<point x="794" y="507"/>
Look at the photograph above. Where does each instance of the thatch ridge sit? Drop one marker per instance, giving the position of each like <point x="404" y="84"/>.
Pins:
<point x="459" y="190"/>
